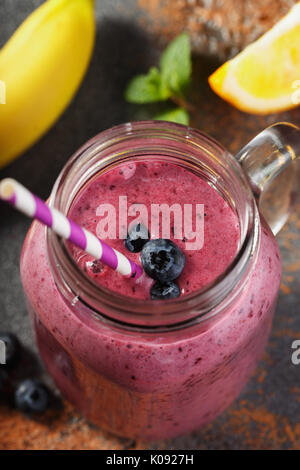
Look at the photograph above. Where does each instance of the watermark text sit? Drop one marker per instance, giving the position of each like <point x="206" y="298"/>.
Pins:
<point x="2" y="92"/>
<point x="2" y="352"/>
<point x="178" y="221"/>
<point x="295" y="358"/>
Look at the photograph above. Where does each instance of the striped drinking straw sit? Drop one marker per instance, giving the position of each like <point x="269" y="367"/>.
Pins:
<point x="22" y="199"/>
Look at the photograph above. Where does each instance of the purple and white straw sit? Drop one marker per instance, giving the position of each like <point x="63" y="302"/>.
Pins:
<point x="22" y="199"/>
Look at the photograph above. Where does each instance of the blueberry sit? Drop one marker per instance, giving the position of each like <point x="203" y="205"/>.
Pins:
<point x="96" y="267"/>
<point x="162" y="260"/>
<point x="138" y="235"/>
<point x="12" y="348"/>
<point x="31" y="396"/>
<point x="167" y="290"/>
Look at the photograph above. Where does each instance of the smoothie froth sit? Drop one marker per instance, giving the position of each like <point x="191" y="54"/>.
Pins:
<point x="145" y="183"/>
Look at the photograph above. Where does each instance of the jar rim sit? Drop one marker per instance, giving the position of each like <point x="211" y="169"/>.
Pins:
<point x="196" y="306"/>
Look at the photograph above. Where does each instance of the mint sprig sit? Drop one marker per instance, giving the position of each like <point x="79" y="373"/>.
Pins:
<point x="179" y="115"/>
<point x="168" y="82"/>
<point x="176" y="66"/>
<point x="145" y="88"/>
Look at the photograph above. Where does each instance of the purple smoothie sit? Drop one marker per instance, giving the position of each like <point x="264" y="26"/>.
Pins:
<point x="135" y="383"/>
<point x="143" y="183"/>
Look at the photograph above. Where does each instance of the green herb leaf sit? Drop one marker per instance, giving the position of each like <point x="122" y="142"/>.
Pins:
<point x="168" y="82"/>
<point x="176" y="65"/>
<point x="179" y="115"/>
<point x="145" y="88"/>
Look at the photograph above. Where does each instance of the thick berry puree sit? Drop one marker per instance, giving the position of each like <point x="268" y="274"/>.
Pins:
<point x="145" y="183"/>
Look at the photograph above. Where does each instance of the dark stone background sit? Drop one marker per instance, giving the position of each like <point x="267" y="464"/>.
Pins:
<point x="267" y="413"/>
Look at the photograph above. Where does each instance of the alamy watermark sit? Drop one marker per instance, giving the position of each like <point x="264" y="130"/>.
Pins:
<point x="2" y="352"/>
<point x="295" y="358"/>
<point x="178" y="221"/>
<point x="296" y="93"/>
<point x="2" y="92"/>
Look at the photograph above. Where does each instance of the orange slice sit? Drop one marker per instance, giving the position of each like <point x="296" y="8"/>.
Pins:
<point x="264" y="77"/>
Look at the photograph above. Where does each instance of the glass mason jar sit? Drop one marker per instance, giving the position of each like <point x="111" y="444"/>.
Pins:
<point x="159" y="369"/>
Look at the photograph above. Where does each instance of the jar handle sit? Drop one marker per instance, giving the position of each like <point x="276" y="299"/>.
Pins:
<point x="270" y="161"/>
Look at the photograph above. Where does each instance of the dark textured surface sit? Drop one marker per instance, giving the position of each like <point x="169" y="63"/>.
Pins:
<point x="267" y="413"/>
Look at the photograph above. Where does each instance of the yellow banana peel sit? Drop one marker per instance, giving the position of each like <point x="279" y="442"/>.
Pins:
<point x="41" y="67"/>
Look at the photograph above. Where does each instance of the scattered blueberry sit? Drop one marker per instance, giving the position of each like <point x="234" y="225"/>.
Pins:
<point x="162" y="260"/>
<point x="138" y="235"/>
<point x="96" y="267"/>
<point x="31" y="396"/>
<point x="167" y="290"/>
<point x="12" y="348"/>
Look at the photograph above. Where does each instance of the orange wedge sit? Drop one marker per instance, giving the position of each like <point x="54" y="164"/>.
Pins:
<point x="264" y="77"/>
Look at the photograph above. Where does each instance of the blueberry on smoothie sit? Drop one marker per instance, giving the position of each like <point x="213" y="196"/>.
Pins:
<point x="96" y="267"/>
<point x="138" y="235"/>
<point x="162" y="260"/>
<point x="12" y="348"/>
<point x="166" y="290"/>
<point x="31" y="396"/>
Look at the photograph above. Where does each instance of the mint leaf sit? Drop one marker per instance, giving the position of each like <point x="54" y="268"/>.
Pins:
<point x="176" y="65"/>
<point x="179" y="115"/>
<point x="169" y="82"/>
<point x="146" y="88"/>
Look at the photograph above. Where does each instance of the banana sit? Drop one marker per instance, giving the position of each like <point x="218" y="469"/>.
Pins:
<point x="41" y="67"/>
